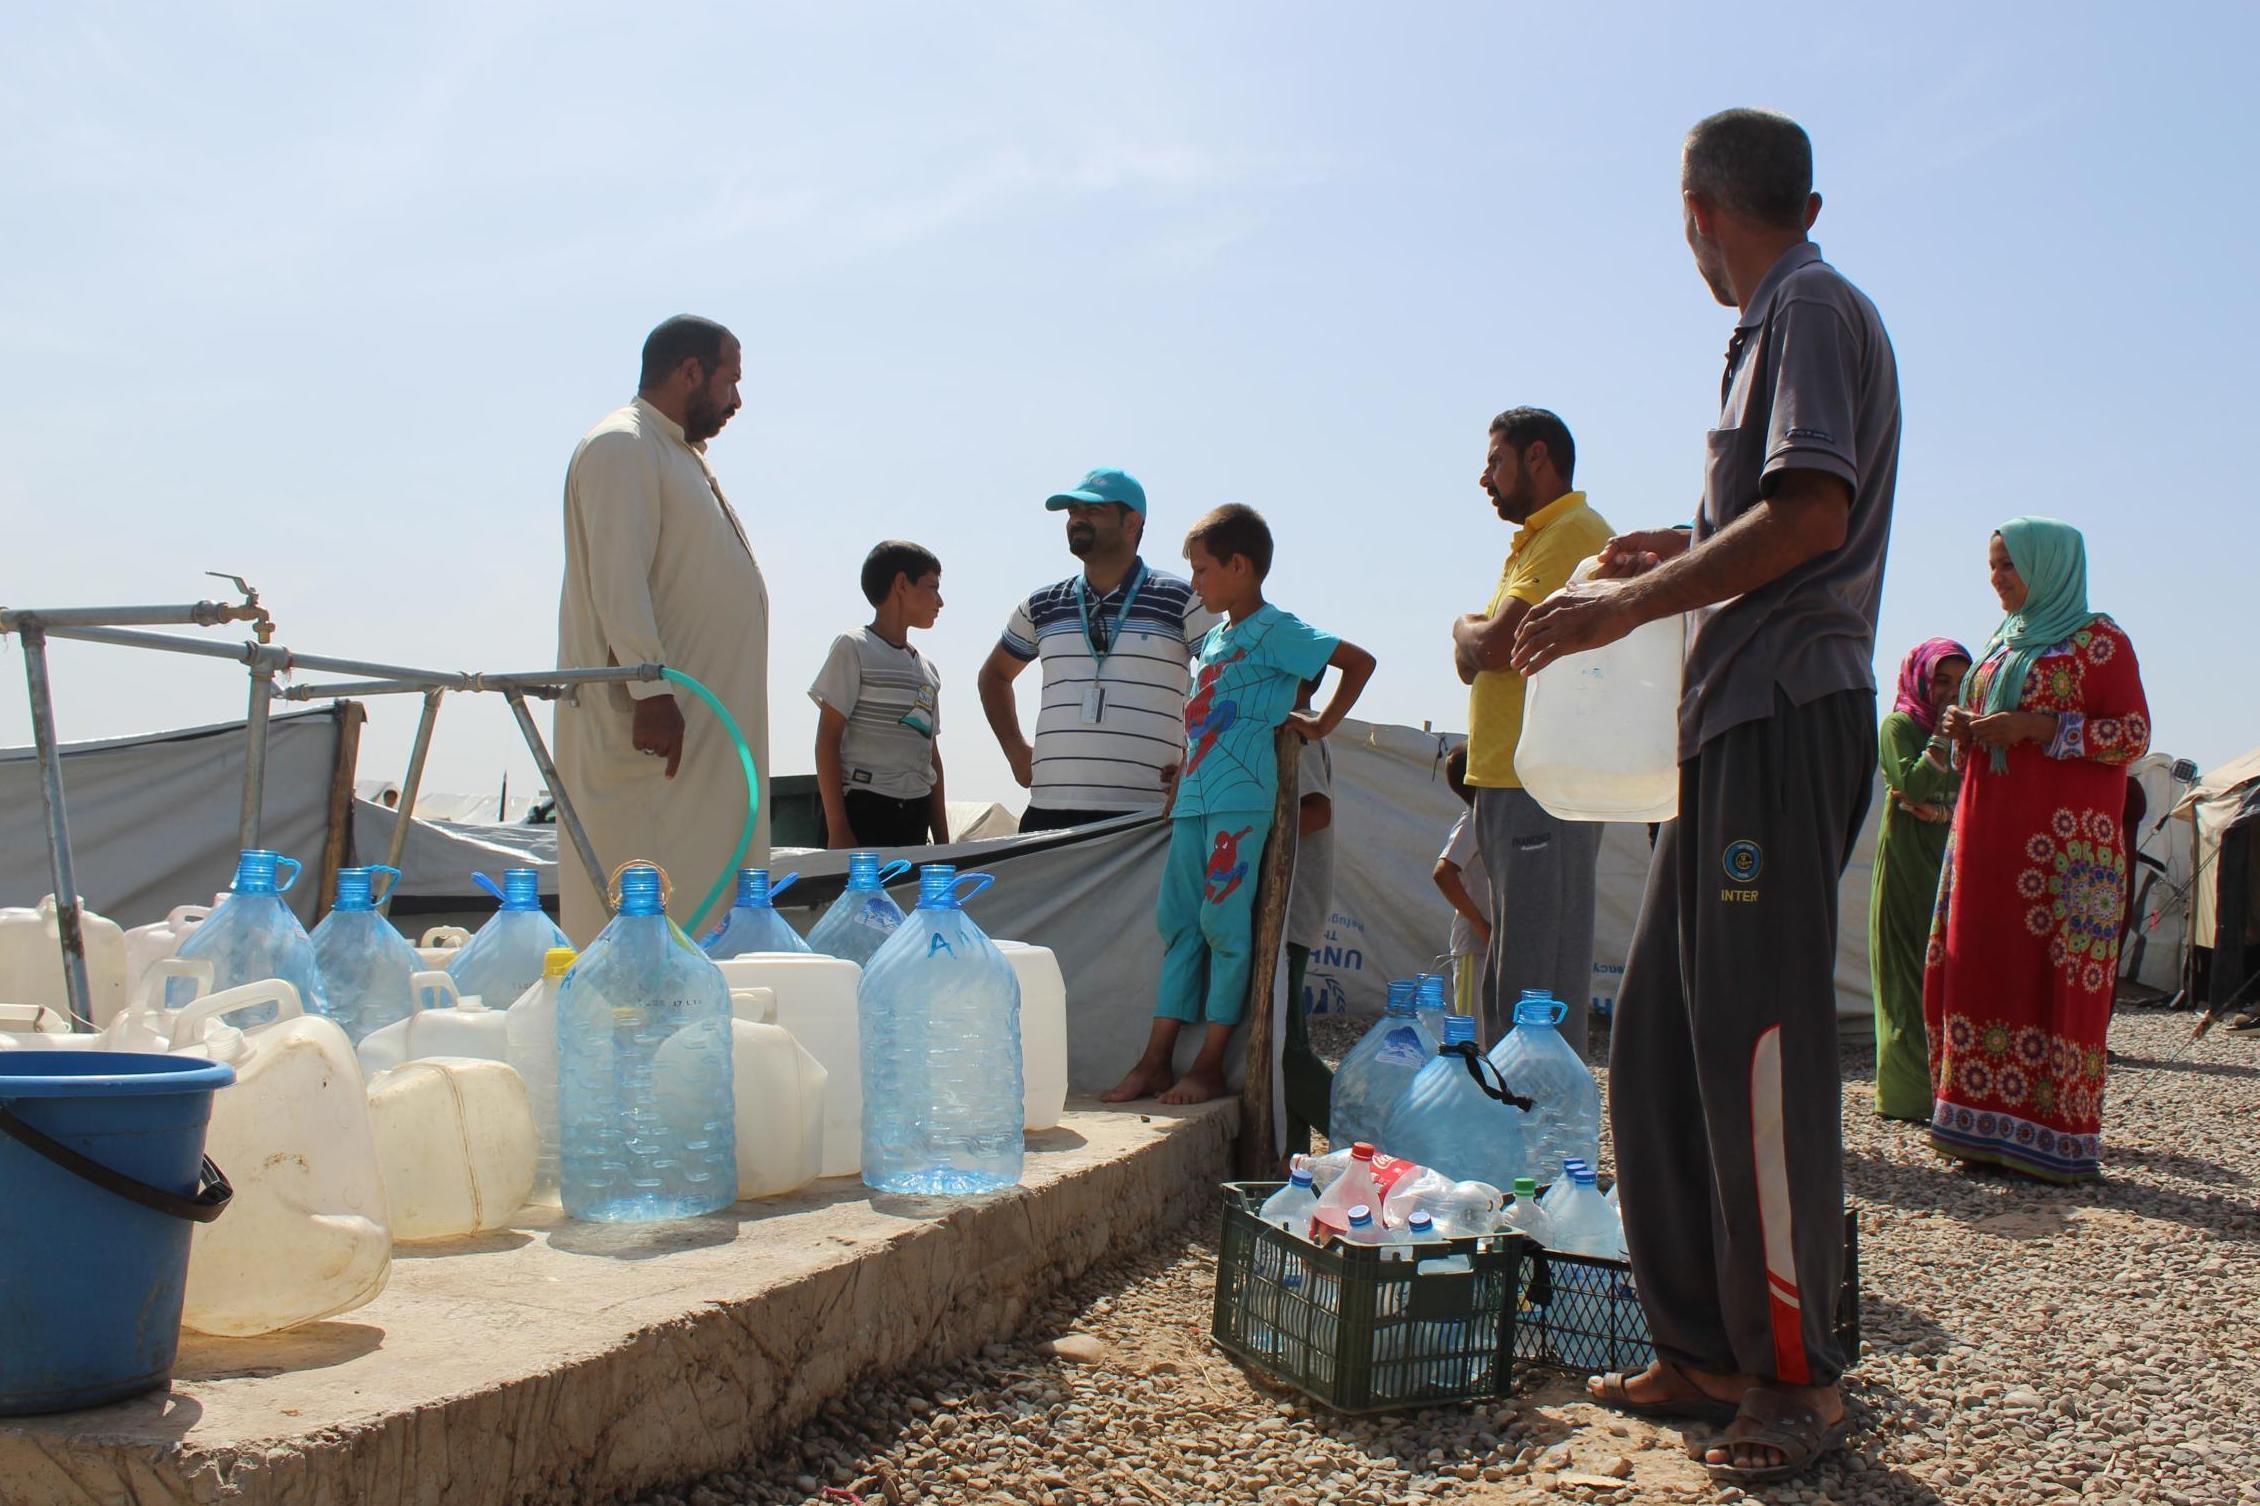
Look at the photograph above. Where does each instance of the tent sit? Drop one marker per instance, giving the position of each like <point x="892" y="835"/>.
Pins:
<point x="2219" y="814"/>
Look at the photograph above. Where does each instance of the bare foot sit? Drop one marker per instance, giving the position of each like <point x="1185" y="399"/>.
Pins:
<point x="1143" y="1082"/>
<point x="1196" y="1086"/>
<point x="1828" y="1401"/>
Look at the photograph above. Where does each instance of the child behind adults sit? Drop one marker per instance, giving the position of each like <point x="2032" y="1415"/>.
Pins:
<point x="1466" y="884"/>
<point x="878" y="722"/>
<point x="1247" y="678"/>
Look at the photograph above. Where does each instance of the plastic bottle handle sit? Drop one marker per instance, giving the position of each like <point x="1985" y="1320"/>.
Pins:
<point x="443" y="936"/>
<point x="890" y="871"/>
<point x="762" y="1002"/>
<point x="1557" y="1013"/>
<point x="30" y="1019"/>
<point x="781" y="885"/>
<point x="188" y="1023"/>
<point x="489" y="885"/>
<point x="392" y="884"/>
<point x="295" y="866"/>
<point x="439" y="982"/>
<point x="185" y="914"/>
<point x="979" y="881"/>
<point x="194" y="970"/>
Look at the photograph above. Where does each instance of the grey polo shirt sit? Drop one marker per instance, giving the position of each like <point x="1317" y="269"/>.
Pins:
<point x="1811" y="384"/>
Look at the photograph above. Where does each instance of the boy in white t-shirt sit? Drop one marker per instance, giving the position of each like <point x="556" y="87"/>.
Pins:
<point x="1465" y="882"/>
<point x="878" y="723"/>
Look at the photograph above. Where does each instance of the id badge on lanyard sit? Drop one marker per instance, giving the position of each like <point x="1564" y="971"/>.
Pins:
<point x="1094" y="694"/>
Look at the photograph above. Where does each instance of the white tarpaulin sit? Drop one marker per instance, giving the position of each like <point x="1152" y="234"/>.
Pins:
<point x="154" y="819"/>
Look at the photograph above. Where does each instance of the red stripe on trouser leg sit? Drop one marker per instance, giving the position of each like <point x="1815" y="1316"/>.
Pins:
<point x="1770" y="1163"/>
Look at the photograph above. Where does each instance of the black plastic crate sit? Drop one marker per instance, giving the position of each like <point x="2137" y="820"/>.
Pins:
<point x="1357" y="1332"/>
<point x="1579" y="1314"/>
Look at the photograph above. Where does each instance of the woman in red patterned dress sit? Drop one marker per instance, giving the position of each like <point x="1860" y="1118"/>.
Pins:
<point x="2024" y="947"/>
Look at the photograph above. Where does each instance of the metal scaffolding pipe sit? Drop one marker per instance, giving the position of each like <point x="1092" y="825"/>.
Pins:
<point x="568" y="820"/>
<point x="69" y="931"/>
<point x="409" y="785"/>
<point x="185" y="614"/>
<point x="255" y="758"/>
<point x="241" y="653"/>
<point x="544" y="683"/>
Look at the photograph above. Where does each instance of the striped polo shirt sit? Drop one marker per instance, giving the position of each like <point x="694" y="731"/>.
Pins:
<point x="1116" y="764"/>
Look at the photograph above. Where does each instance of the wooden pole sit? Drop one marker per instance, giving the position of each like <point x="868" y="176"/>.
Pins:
<point x="350" y="716"/>
<point x="1259" y="1144"/>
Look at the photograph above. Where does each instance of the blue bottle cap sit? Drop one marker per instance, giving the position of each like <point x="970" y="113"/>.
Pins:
<point x="255" y="871"/>
<point x="1361" y="1217"/>
<point x="1420" y="1222"/>
<point x="863" y="870"/>
<point x="1300" y="1176"/>
<point x="1428" y="991"/>
<point x="1400" y="1000"/>
<point x="1458" y="1028"/>
<point x="521" y="889"/>
<point x="354" y="890"/>
<point x="639" y="890"/>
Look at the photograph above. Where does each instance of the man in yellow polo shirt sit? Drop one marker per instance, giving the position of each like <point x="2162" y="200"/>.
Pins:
<point x="1541" y="868"/>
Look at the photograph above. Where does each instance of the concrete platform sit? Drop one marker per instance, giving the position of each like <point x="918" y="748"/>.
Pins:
<point x="568" y="1363"/>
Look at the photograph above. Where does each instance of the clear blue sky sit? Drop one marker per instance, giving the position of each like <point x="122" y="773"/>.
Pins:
<point x="326" y="299"/>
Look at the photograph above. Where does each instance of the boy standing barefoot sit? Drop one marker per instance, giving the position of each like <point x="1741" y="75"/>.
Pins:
<point x="1247" y="678"/>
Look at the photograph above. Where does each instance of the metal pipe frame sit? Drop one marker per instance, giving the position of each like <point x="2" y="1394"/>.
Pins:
<point x="68" y="928"/>
<point x="185" y="614"/>
<point x="409" y="785"/>
<point x="255" y="758"/>
<point x="568" y="820"/>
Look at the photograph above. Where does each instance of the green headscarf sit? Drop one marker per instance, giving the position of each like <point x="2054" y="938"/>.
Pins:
<point x="2051" y="556"/>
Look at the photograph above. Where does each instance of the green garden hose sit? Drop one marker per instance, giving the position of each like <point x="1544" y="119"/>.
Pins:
<point x="728" y="876"/>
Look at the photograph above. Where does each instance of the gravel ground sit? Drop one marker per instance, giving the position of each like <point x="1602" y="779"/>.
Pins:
<point x="2022" y="1344"/>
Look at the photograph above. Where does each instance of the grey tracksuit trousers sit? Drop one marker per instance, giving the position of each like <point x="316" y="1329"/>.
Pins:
<point x="1723" y="1087"/>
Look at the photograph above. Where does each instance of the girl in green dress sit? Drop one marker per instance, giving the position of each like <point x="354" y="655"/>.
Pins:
<point x="1920" y="779"/>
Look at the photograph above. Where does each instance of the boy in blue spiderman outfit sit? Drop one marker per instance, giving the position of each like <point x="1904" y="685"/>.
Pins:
<point x="1247" y="680"/>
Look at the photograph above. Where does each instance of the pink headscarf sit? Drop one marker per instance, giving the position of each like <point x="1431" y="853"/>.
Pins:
<point x="1914" y="678"/>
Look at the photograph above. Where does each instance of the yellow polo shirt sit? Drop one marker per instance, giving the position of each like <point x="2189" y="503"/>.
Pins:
<point x="1545" y="550"/>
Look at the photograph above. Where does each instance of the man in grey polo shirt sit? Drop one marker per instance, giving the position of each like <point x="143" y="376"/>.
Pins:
<point x="1724" y="1097"/>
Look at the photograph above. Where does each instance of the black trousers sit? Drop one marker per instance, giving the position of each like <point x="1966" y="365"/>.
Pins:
<point x="1042" y="818"/>
<point x="884" y="821"/>
<point x="1724" y="1096"/>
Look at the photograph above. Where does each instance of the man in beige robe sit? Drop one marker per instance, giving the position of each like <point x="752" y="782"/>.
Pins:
<point x="658" y="571"/>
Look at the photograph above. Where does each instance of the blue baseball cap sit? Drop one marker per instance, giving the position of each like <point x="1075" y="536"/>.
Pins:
<point x="1104" y="485"/>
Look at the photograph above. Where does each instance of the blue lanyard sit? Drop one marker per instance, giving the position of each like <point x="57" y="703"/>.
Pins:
<point x="1121" y="618"/>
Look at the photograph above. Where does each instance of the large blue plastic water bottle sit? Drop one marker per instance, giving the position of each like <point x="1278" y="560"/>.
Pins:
<point x="366" y="964"/>
<point x="864" y="916"/>
<point x="253" y="935"/>
<point x="1429" y="1007"/>
<point x="504" y="959"/>
<point x="644" y="1091"/>
<point x="1535" y="1061"/>
<point x="1378" y="1069"/>
<point x="939" y="1013"/>
<point x="753" y="924"/>
<point x="1446" y="1121"/>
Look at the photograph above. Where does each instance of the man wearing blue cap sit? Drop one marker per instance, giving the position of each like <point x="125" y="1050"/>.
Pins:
<point x="1116" y="642"/>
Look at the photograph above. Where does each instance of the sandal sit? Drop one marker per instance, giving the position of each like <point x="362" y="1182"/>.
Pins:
<point x="1700" y="1406"/>
<point x="1771" y="1419"/>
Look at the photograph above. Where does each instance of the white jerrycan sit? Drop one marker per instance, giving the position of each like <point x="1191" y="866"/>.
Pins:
<point x="1043" y="1031"/>
<point x="456" y="1144"/>
<point x="307" y="1236"/>
<point x="1600" y="730"/>
<point x="439" y="944"/>
<point x="31" y="961"/>
<point x="445" y="1024"/>
<point x="151" y="944"/>
<point x="35" y="1027"/>
<point x="147" y="1024"/>
<point x="816" y="1003"/>
<point x="780" y="1091"/>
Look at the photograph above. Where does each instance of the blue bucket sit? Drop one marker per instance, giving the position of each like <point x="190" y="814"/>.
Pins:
<point x="102" y="1162"/>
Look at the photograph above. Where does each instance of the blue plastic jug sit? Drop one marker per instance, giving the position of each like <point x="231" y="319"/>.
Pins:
<point x="863" y="917"/>
<point x="1378" y="1069"/>
<point x="939" y="1013"/>
<point x="644" y="1090"/>
<point x="504" y="959"/>
<point x="1536" y="1062"/>
<point x="1448" y="1121"/>
<point x="753" y="924"/>
<point x="253" y="935"/>
<point x="366" y="964"/>
<point x="1430" y="1006"/>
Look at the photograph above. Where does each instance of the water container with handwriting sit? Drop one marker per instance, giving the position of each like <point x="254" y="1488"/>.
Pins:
<point x="456" y="1144"/>
<point x="815" y="1000"/>
<point x="504" y="959"/>
<point x="1600" y="730"/>
<point x="253" y="935"/>
<point x="366" y="964"/>
<point x="753" y="924"/>
<point x="864" y="916"/>
<point x="31" y="961"/>
<point x="645" y="1108"/>
<point x="943" y="1101"/>
<point x="308" y="1234"/>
